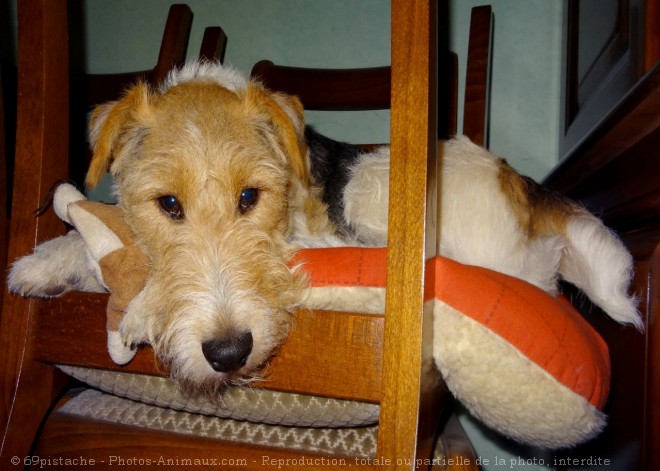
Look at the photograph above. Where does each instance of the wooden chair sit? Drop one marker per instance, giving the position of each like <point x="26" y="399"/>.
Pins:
<point x="94" y="89"/>
<point x="100" y="88"/>
<point x="369" y="89"/>
<point x="475" y="102"/>
<point x="373" y="89"/>
<point x="214" y="44"/>
<point x="4" y="186"/>
<point x="36" y="335"/>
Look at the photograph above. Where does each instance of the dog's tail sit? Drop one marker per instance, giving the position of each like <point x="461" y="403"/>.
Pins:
<point x="593" y="258"/>
<point x="596" y="261"/>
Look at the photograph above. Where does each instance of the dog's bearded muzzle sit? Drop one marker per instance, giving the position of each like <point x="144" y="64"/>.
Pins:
<point x="224" y="316"/>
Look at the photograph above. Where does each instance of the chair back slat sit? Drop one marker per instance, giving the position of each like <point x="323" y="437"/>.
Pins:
<point x="214" y="44"/>
<point x="329" y="89"/>
<point x="174" y="45"/>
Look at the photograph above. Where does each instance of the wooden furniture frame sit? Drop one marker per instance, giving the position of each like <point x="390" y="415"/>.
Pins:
<point x="35" y="335"/>
<point x="94" y="89"/>
<point x="614" y="172"/>
<point x="4" y="187"/>
<point x="343" y="89"/>
<point x="475" y="104"/>
<point x="360" y="89"/>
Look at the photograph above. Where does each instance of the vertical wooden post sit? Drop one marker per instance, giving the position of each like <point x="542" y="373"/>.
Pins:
<point x="408" y="417"/>
<point x="41" y="159"/>
<point x="476" y="76"/>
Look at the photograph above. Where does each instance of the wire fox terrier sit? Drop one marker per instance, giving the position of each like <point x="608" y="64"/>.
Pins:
<point x="220" y="181"/>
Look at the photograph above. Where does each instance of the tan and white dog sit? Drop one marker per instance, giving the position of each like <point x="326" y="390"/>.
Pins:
<point x="219" y="181"/>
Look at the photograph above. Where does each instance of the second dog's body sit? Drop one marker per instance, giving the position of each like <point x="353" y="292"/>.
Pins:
<point x="490" y="217"/>
<point x="220" y="184"/>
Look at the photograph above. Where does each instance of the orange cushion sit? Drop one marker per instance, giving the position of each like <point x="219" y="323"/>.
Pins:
<point x="344" y="266"/>
<point x="547" y="330"/>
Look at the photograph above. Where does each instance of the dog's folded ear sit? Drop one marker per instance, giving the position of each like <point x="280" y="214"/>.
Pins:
<point x="286" y="114"/>
<point x="110" y="130"/>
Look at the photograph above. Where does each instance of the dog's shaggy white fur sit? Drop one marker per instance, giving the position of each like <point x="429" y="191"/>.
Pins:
<point x="216" y="179"/>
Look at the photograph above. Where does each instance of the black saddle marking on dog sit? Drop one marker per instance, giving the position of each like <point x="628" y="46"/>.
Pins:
<point x="331" y="163"/>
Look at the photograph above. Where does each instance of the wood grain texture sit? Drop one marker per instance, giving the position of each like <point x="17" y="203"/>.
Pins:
<point x="405" y="425"/>
<point x="42" y="150"/>
<point x="329" y="89"/>
<point x="90" y="90"/>
<point x="614" y="173"/>
<point x="630" y="432"/>
<point x="323" y="349"/>
<point x="324" y="346"/>
<point x="4" y="186"/>
<point x="651" y="34"/>
<point x="64" y="434"/>
<point x="608" y="192"/>
<point x="633" y="119"/>
<point x="94" y="89"/>
<point x="652" y="412"/>
<point x="41" y="130"/>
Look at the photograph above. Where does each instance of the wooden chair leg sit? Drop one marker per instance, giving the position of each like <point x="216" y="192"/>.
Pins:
<point x="459" y="455"/>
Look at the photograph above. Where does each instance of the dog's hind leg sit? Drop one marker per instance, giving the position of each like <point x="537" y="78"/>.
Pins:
<point x="56" y="266"/>
<point x="597" y="262"/>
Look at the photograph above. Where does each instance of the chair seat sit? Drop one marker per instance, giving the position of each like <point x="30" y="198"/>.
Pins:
<point x="239" y="403"/>
<point x="351" y="441"/>
<point x="101" y="410"/>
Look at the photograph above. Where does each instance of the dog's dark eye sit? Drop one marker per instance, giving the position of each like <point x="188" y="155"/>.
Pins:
<point x="171" y="206"/>
<point x="249" y="198"/>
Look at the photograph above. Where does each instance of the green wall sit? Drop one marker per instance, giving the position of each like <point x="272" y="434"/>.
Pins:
<point x="525" y="78"/>
<point x="124" y="35"/>
<point x="338" y="33"/>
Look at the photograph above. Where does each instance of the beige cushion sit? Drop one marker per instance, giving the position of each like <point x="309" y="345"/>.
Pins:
<point x="239" y="403"/>
<point x="358" y="441"/>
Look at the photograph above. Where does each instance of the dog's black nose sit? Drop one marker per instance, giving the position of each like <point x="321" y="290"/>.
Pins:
<point x="228" y="355"/>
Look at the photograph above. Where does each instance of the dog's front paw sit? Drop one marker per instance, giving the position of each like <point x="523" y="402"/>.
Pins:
<point x="30" y="278"/>
<point x="120" y="352"/>
<point x="34" y="276"/>
<point x="56" y="267"/>
<point x="131" y="333"/>
<point x="134" y="326"/>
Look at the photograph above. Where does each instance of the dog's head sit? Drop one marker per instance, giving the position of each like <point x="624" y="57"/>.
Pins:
<point x="208" y="170"/>
<point x="199" y="98"/>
